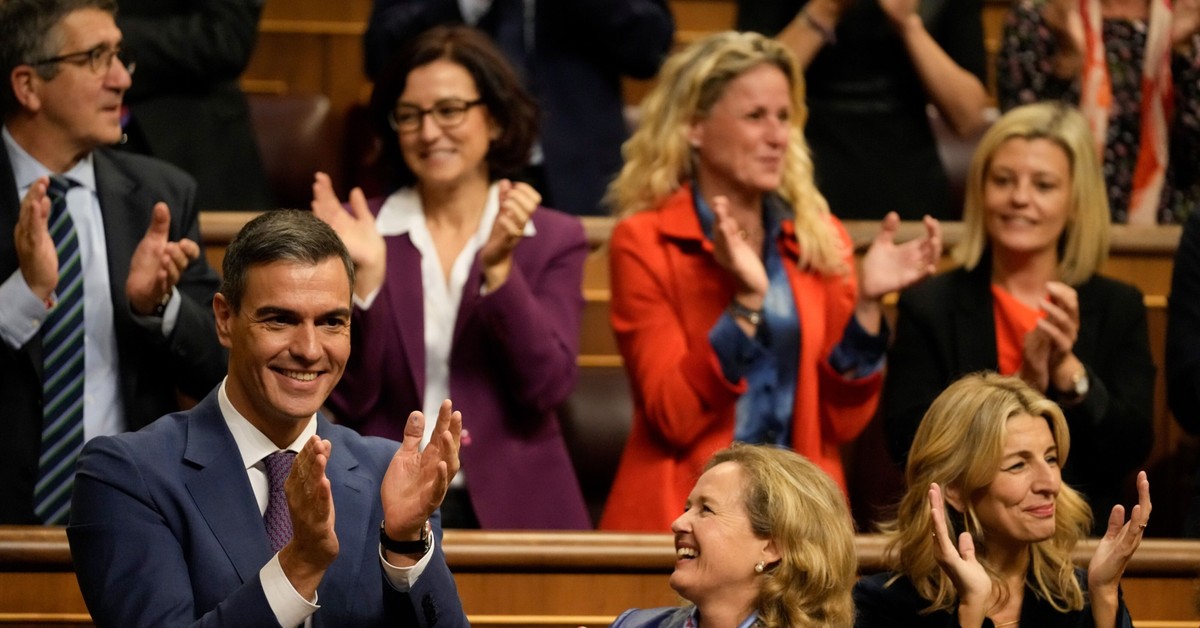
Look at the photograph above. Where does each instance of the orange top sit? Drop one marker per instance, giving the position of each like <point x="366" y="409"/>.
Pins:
<point x="1014" y="319"/>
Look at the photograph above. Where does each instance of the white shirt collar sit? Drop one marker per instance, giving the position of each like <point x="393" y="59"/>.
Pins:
<point x="26" y="169"/>
<point x="252" y="444"/>
<point x="402" y="209"/>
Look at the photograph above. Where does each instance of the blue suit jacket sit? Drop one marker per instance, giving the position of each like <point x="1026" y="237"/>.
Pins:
<point x="165" y="531"/>
<point x="666" y="617"/>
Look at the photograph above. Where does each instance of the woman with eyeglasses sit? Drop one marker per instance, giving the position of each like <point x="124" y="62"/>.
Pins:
<point x="465" y="287"/>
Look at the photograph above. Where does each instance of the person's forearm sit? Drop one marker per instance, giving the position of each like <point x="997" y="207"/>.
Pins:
<point x="959" y="96"/>
<point x="811" y="30"/>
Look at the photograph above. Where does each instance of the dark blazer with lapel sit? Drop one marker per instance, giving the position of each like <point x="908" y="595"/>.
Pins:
<point x="582" y="48"/>
<point x="186" y="103"/>
<point x="152" y="367"/>
<point x="879" y="605"/>
<point x="511" y="366"/>
<point x="945" y="328"/>
<point x="165" y="531"/>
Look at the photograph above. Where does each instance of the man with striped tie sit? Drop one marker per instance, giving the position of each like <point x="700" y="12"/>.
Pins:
<point x="105" y="296"/>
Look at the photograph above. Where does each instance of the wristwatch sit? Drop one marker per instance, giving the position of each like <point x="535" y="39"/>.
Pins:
<point x="420" y="546"/>
<point x="1079" y="388"/>
<point x="737" y="310"/>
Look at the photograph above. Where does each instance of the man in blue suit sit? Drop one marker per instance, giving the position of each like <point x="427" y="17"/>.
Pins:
<point x="180" y="523"/>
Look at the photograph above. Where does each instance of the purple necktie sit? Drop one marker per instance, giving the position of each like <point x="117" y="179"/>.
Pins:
<point x="277" y="518"/>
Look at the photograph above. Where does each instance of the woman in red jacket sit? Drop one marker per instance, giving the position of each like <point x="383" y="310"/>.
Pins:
<point x="734" y="297"/>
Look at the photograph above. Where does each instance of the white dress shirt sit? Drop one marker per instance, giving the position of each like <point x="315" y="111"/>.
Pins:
<point x="290" y="608"/>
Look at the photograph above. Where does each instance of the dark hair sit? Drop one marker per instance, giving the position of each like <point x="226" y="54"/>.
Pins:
<point x="499" y="88"/>
<point x="289" y="235"/>
<point x="30" y="30"/>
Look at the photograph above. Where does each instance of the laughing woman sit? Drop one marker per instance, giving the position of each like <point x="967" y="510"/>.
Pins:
<point x="765" y="541"/>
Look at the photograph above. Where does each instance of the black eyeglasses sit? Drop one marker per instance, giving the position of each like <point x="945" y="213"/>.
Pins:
<point x="446" y="113"/>
<point x="99" y="59"/>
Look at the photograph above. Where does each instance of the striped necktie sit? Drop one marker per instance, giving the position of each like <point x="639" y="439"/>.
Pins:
<point x="62" y="368"/>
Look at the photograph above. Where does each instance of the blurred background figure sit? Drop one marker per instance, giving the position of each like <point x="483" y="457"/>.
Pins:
<point x="984" y="533"/>
<point x="1028" y="301"/>
<point x="1133" y="67"/>
<point x="735" y="301"/>
<point x="872" y="67"/>
<point x="1183" y="347"/>
<point x="764" y="540"/>
<point x="571" y="56"/>
<point x="466" y="286"/>
<point x="186" y="106"/>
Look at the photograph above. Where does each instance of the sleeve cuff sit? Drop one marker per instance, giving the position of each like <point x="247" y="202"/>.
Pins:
<point x="289" y="607"/>
<point x="21" y="312"/>
<point x="734" y="349"/>
<point x="403" y="579"/>
<point x="859" y="353"/>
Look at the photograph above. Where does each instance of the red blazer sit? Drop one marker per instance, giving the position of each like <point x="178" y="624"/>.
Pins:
<point x="667" y="293"/>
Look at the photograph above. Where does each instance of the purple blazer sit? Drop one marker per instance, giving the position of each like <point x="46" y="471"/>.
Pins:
<point x="513" y="363"/>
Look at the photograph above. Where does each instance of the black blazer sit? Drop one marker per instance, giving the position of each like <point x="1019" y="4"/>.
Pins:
<point x="582" y="49"/>
<point x="945" y="329"/>
<point x="152" y="367"/>
<point x="899" y="606"/>
<point x="186" y="103"/>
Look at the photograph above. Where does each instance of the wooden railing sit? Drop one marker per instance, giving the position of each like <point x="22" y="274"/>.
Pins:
<point x="567" y="579"/>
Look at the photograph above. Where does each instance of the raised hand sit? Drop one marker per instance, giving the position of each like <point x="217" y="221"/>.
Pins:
<point x="416" y="481"/>
<point x="888" y="266"/>
<point x="897" y="11"/>
<point x="970" y="580"/>
<point x="36" y="253"/>
<point x="157" y="263"/>
<point x="1063" y="19"/>
<point x="357" y="231"/>
<point x="314" y="542"/>
<point x="737" y="256"/>
<point x="518" y="202"/>
<point x="1120" y="541"/>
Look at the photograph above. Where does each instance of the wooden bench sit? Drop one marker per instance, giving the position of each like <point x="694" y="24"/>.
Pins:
<point x="560" y="579"/>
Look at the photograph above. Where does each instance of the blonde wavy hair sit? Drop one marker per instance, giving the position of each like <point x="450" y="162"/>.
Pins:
<point x="976" y="409"/>
<point x="1083" y="246"/>
<point x="658" y="157"/>
<point x="791" y="501"/>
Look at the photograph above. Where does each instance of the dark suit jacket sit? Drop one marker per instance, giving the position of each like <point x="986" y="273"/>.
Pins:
<point x="899" y="606"/>
<point x="151" y="367"/>
<point x="1183" y="346"/>
<point x="187" y="106"/>
<point x="512" y="364"/>
<point x="582" y="49"/>
<point x="945" y="329"/>
<point x="165" y="531"/>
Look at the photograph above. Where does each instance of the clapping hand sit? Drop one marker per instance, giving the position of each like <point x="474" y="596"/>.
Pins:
<point x="157" y="263"/>
<point x="357" y="231"/>
<point x="36" y="253"/>
<point x="888" y="266"/>
<point x="518" y="202"/>
<point x="970" y="580"/>
<point x="416" y="481"/>
<point x="1120" y="541"/>
<point x="735" y="254"/>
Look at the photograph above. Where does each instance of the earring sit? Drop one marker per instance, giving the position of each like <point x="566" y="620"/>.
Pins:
<point x="760" y="567"/>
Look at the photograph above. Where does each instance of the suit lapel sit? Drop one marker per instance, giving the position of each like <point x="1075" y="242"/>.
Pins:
<point x="407" y="301"/>
<point x="354" y="499"/>
<point x="221" y="490"/>
<point x="125" y="221"/>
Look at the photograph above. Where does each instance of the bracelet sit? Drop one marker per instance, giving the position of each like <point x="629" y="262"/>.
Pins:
<point x="420" y="546"/>
<point x="737" y="310"/>
<point x="827" y="33"/>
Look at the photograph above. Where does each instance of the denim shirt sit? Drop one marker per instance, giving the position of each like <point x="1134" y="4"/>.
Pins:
<point x="770" y="361"/>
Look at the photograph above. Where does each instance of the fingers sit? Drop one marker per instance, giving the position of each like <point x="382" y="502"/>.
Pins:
<point x="160" y="222"/>
<point x="888" y="228"/>
<point x="414" y="431"/>
<point x="933" y="241"/>
<point x="358" y="203"/>
<point x="325" y="204"/>
<point x="1140" y="516"/>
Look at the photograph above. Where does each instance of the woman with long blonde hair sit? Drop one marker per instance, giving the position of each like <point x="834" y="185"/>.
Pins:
<point x="984" y="533"/>
<point x="734" y="298"/>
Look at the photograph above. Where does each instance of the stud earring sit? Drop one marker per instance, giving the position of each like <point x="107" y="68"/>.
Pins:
<point x="760" y="567"/>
